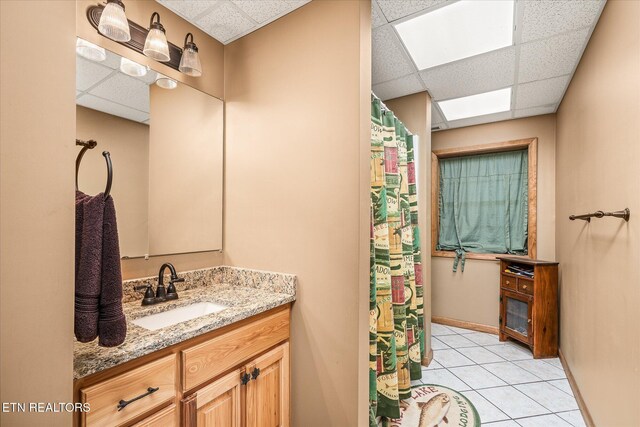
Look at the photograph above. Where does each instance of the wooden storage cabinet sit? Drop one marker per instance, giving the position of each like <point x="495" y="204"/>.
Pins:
<point x="529" y="306"/>
<point x="256" y="395"/>
<point x="237" y="376"/>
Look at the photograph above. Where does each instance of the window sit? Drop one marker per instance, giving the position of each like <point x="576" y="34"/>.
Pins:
<point x="483" y="200"/>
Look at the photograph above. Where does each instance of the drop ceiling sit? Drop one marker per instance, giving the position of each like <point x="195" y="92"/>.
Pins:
<point x="102" y="86"/>
<point x="548" y="40"/>
<point x="228" y="20"/>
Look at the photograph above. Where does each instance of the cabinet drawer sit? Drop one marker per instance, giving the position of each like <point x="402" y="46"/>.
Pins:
<point x="105" y="396"/>
<point x="203" y="362"/>
<point x="508" y="282"/>
<point x="525" y="286"/>
<point x="164" y="418"/>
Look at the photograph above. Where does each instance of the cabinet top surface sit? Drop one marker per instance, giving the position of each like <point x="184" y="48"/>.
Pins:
<point x="242" y="302"/>
<point x="526" y="261"/>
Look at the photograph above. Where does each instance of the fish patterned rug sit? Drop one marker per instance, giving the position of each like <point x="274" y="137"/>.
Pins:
<point x="436" y="406"/>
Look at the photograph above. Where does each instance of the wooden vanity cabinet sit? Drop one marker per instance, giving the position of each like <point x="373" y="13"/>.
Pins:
<point x="237" y="376"/>
<point x="255" y="395"/>
<point x="529" y="306"/>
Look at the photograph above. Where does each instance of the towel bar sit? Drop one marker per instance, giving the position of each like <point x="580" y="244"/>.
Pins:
<point x="624" y="214"/>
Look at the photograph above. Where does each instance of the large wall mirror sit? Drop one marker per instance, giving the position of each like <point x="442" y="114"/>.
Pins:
<point x="166" y="144"/>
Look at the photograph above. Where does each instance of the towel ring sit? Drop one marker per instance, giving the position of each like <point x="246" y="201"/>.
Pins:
<point x="89" y="145"/>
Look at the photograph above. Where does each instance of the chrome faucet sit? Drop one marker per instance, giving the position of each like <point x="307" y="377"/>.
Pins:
<point x="162" y="294"/>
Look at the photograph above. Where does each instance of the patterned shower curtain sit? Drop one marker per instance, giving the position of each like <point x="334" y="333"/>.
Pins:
<point x="396" y="319"/>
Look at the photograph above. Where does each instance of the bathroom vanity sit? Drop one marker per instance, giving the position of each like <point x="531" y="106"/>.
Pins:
<point x="228" y="367"/>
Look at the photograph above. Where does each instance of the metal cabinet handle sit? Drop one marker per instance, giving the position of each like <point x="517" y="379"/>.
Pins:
<point x="256" y="373"/>
<point x="524" y="286"/>
<point x="529" y="320"/>
<point x="123" y="403"/>
<point x="245" y="378"/>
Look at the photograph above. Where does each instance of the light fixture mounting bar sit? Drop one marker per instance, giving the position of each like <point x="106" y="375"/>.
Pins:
<point x="138" y="37"/>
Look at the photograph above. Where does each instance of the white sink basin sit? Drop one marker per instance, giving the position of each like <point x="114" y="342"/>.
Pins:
<point x="178" y="315"/>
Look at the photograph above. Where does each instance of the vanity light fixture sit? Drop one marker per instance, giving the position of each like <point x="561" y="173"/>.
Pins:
<point x="155" y="46"/>
<point x="165" y="82"/>
<point x="190" y="61"/>
<point x="132" y="68"/>
<point x="113" y="22"/>
<point x="90" y="51"/>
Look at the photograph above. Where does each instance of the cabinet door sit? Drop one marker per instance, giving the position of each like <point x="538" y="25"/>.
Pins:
<point x="267" y="397"/>
<point x="218" y="404"/>
<point x="164" y="418"/>
<point x="516" y="316"/>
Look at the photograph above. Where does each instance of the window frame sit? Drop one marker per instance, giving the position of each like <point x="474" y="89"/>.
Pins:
<point x="531" y="145"/>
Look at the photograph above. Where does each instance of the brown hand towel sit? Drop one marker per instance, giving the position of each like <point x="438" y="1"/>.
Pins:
<point x="89" y="224"/>
<point x="98" y="295"/>
<point x="112" y="325"/>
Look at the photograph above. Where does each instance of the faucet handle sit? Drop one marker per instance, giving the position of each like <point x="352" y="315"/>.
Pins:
<point x="176" y="279"/>
<point x="149" y="297"/>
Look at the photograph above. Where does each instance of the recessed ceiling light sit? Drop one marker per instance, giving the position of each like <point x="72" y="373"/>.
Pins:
<point x="457" y="31"/>
<point x="477" y="105"/>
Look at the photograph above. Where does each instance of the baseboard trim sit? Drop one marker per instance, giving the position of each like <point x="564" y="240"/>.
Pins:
<point x="464" y="324"/>
<point x="428" y="358"/>
<point x="576" y="392"/>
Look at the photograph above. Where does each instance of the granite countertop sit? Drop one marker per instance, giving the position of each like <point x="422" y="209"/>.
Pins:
<point x="245" y="293"/>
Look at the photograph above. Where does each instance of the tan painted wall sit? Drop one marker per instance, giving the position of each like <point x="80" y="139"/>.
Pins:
<point x="473" y="295"/>
<point x="185" y="170"/>
<point x="139" y="11"/>
<point x="37" y="152"/>
<point x="128" y="143"/>
<point x="296" y="187"/>
<point x="598" y="159"/>
<point x="415" y="112"/>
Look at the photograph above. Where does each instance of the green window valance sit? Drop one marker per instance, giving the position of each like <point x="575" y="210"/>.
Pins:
<point x="483" y="203"/>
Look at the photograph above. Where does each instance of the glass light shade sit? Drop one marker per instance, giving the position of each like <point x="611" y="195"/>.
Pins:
<point x="166" y="83"/>
<point x="132" y="68"/>
<point x="155" y="46"/>
<point x="90" y="51"/>
<point x="190" y="62"/>
<point x="113" y="22"/>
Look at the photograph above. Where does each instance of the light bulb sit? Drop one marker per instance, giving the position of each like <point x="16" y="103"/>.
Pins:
<point x="113" y="22"/>
<point x="190" y="61"/>
<point x="156" y="46"/>
<point x="132" y="68"/>
<point x="90" y="51"/>
<point x="165" y="82"/>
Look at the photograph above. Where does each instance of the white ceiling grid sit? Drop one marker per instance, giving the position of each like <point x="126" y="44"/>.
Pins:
<point x="103" y="87"/>
<point x="549" y="38"/>
<point x="228" y="20"/>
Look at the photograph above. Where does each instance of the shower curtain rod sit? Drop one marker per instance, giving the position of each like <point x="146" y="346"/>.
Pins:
<point x="385" y="108"/>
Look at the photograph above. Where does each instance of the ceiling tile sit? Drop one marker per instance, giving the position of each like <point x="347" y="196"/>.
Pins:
<point x="113" y="108"/>
<point x="377" y="18"/>
<point x="88" y="73"/>
<point x="267" y="10"/>
<point x="436" y="117"/>
<point x="536" y="111"/>
<point x="551" y="57"/>
<point x="547" y="18"/>
<point x="399" y="87"/>
<point x="542" y="92"/>
<point x="496" y="117"/>
<point x="481" y="73"/>
<point x="396" y="9"/>
<point x="388" y="60"/>
<point x="124" y="90"/>
<point x="225" y="22"/>
<point x="112" y="61"/>
<point x="189" y="9"/>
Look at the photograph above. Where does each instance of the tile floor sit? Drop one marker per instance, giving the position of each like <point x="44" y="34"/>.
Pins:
<point x="506" y="385"/>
